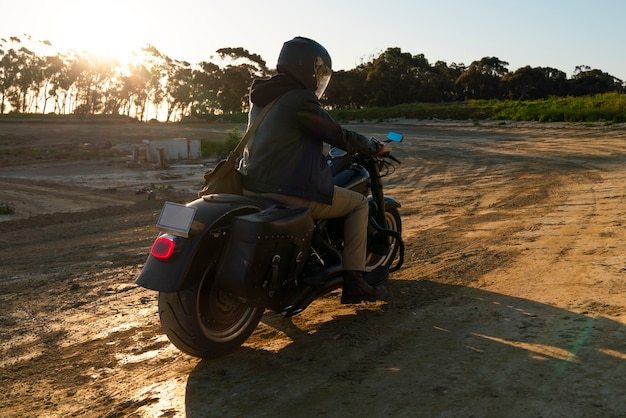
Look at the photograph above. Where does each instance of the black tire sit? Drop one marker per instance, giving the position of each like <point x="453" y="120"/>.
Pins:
<point x="203" y="320"/>
<point x="393" y="222"/>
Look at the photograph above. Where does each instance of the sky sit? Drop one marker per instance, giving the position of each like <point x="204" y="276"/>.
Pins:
<point x="561" y="34"/>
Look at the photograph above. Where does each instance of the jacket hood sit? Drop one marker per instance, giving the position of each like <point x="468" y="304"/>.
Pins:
<point x="263" y="92"/>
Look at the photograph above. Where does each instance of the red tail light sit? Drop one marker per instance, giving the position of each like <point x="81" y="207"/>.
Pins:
<point x="163" y="247"/>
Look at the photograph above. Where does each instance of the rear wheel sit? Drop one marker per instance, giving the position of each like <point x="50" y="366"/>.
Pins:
<point x="394" y="223"/>
<point x="202" y="319"/>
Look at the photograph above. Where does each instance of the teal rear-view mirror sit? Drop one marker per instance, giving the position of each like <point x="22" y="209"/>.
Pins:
<point x="395" y="137"/>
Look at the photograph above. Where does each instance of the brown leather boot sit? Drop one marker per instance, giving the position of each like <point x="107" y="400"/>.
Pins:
<point x="356" y="289"/>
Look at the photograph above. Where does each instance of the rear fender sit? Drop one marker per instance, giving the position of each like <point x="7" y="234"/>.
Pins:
<point x="213" y="211"/>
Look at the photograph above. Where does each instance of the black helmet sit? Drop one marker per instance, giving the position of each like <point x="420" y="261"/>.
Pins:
<point x="308" y="62"/>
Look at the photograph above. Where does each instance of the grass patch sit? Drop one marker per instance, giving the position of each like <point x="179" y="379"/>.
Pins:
<point x="608" y="107"/>
<point x="211" y="148"/>
<point x="6" y="208"/>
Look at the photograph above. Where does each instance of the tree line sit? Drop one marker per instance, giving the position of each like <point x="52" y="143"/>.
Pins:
<point x="152" y="83"/>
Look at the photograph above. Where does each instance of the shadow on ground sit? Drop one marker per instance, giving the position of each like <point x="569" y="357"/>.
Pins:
<point x="433" y="350"/>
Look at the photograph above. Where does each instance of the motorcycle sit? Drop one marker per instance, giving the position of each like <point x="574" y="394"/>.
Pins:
<point x="221" y="260"/>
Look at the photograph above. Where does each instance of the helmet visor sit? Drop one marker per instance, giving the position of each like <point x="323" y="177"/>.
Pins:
<point x="322" y="76"/>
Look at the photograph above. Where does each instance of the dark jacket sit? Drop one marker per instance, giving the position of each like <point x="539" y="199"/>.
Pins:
<point x="286" y="154"/>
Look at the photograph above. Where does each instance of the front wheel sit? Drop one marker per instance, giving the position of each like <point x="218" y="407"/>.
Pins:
<point x="394" y="223"/>
<point x="202" y="319"/>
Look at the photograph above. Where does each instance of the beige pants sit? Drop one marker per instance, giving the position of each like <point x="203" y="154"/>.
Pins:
<point x="346" y="203"/>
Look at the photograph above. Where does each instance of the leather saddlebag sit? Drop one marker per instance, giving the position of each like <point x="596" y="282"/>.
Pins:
<point x="265" y="251"/>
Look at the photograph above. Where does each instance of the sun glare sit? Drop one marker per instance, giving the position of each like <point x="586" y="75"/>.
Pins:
<point x="110" y="32"/>
<point x="110" y="47"/>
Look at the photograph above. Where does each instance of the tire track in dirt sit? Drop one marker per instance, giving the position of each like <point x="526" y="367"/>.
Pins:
<point x="31" y="198"/>
<point x="576" y="246"/>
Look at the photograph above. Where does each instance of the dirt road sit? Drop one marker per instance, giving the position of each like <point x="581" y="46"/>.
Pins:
<point x="512" y="301"/>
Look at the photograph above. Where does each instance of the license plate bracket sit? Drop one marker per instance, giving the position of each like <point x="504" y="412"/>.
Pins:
<point x="176" y="218"/>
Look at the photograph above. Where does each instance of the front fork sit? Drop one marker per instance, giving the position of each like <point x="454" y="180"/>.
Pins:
<point x="377" y="203"/>
<point x="378" y="233"/>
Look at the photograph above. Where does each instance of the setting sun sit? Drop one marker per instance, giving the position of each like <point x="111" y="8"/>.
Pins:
<point x="115" y="32"/>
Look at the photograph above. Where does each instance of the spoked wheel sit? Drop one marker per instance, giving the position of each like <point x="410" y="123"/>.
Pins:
<point x="202" y="319"/>
<point x="394" y="223"/>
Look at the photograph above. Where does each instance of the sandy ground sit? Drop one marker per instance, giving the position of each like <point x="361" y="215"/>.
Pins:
<point x="511" y="303"/>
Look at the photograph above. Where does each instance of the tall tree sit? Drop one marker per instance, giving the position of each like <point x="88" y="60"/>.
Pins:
<point x="52" y="69"/>
<point x="395" y="77"/>
<point x="178" y="88"/>
<point x="587" y="81"/>
<point x="438" y="83"/>
<point x="241" y="69"/>
<point x="346" y="89"/>
<point x="529" y="83"/>
<point x="8" y="76"/>
<point x="21" y="73"/>
<point x="205" y="87"/>
<point x="482" y="78"/>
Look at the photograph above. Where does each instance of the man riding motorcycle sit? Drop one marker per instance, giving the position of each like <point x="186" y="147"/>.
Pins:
<point x="285" y="159"/>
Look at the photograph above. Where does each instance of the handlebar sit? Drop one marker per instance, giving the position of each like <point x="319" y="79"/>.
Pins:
<point x="391" y="157"/>
<point x="386" y="141"/>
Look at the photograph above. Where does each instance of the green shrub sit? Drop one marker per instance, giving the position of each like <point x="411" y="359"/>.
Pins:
<point x="6" y="208"/>
<point x="211" y="148"/>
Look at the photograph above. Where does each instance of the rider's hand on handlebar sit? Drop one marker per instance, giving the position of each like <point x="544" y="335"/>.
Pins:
<point x="384" y="149"/>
